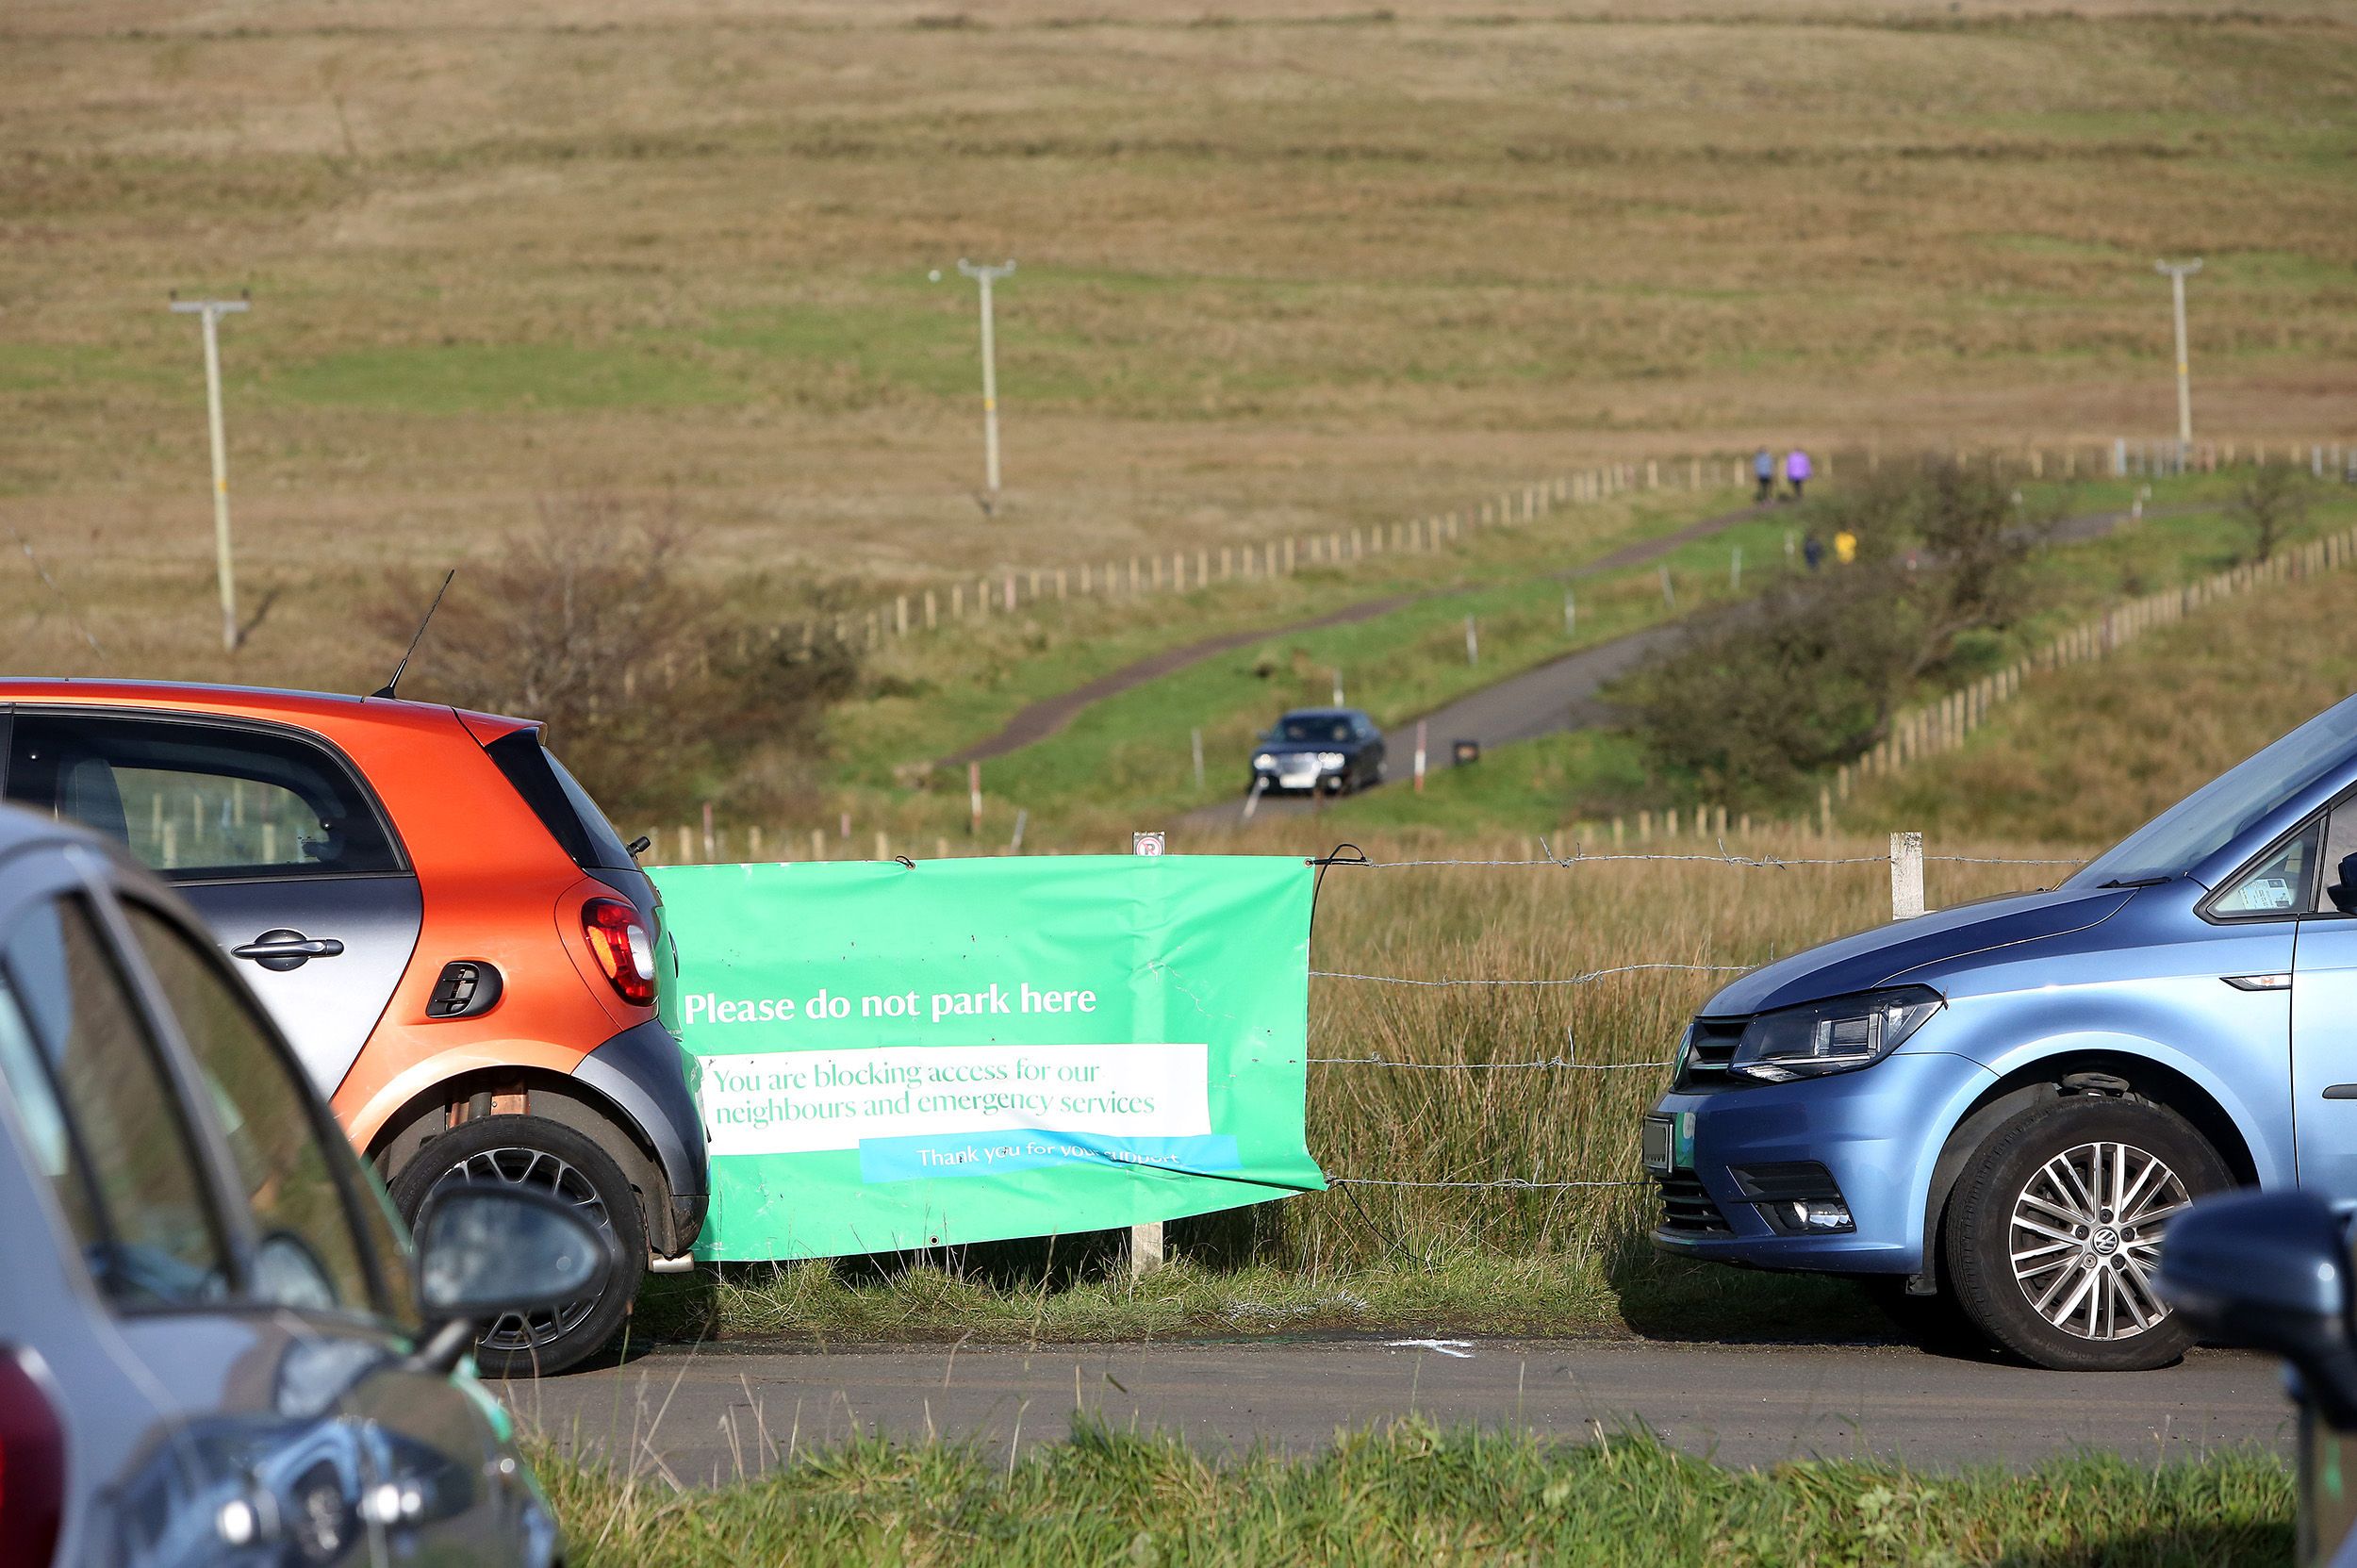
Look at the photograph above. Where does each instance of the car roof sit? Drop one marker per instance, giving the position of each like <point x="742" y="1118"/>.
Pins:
<point x="1320" y="713"/>
<point x="261" y="702"/>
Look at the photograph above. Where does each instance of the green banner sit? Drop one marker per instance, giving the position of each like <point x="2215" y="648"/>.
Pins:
<point x="889" y="1057"/>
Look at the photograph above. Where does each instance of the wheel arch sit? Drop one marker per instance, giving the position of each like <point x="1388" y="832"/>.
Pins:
<point x="482" y="1091"/>
<point x="2112" y="1073"/>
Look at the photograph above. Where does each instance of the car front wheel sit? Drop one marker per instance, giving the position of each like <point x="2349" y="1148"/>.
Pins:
<point x="2056" y="1228"/>
<point x="534" y="1152"/>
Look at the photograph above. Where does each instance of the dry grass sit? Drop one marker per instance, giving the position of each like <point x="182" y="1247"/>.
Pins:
<point x="1298" y="268"/>
<point x="2085" y="753"/>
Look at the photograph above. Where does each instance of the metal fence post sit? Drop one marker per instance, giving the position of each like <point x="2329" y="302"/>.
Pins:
<point x="1146" y="1240"/>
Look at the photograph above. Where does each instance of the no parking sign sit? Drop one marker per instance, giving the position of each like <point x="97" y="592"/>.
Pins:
<point x="888" y="1056"/>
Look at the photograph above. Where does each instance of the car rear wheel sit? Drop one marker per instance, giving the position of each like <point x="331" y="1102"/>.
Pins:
<point x="536" y="1152"/>
<point x="2056" y="1224"/>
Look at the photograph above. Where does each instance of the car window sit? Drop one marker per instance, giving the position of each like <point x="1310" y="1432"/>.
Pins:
<point x="298" y="1176"/>
<point x="149" y="1232"/>
<point x="2213" y="817"/>
<point x="557" y="798"/>
<point x="200" y="801"/>
<point x="2282" y="882"/>
<point x="41" y="1115"/>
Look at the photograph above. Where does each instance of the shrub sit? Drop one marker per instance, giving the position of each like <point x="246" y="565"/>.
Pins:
<point x="653" y="697"/>
<point x="1809" y="675"/>
<point x="2269" y="504"/>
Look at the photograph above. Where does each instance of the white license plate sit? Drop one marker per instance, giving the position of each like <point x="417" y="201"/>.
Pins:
<point x="1659" y="1141"/>
<point x="1297" y="781"/>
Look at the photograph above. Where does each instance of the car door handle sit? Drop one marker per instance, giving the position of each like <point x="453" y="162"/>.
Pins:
<point x="282" y="951"/>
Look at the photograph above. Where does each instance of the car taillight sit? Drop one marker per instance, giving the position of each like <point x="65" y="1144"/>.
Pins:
<point x="622" y="947"/>
<point x="32" y="1467"/>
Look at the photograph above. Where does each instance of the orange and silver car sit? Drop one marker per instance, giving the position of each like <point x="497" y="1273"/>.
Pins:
<point x="456" y="941"/>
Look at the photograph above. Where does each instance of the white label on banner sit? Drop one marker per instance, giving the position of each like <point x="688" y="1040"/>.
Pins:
<point x="803" y="1101"/>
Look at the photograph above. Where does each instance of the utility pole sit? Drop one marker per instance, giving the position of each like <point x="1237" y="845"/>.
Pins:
<point x="986" y="276"/>
<point x="210" y="312"/>
<point x="2178" y="271"/>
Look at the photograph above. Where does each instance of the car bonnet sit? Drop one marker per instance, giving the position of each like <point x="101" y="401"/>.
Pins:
<point x="1906" y="950"/>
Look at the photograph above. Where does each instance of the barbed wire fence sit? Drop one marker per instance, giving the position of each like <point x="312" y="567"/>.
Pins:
<point x="1905" y="859"/>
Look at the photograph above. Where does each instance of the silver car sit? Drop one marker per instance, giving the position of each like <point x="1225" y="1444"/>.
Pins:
<point x="214" y="1348"/>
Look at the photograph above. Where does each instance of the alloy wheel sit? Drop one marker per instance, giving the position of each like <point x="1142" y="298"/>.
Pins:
<point x="2085" y="1235"/>
<point x="522" y="1333"/>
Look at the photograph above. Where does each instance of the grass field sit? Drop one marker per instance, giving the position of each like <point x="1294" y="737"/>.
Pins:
<point x="2084" y="751"/>
<point x="1284" y="267"/>
<point x="1414" y="1493"/>
<point x="1126" y="761"/>
<point x="1547" y="784"/>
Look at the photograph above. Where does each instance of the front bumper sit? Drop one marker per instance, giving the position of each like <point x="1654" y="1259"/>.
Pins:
<point x="642" y="1071"/>
<point x="1877" y="1132"/>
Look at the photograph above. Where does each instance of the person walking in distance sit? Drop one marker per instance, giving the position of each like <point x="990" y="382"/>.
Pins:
<point x="1796" y="470"/>
<point x="1764" y="469"/>
<point x="1813" y="550"/>
<point x="1845" y="547"/>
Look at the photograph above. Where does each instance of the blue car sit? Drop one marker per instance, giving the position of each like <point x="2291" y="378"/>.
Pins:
<point x="1993" y="1110"/>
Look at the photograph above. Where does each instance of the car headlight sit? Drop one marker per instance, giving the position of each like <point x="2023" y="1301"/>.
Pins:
<point x="1837" y="1035"/>
<point x="1331" y="761"/>
<point x="1265" y="762"/>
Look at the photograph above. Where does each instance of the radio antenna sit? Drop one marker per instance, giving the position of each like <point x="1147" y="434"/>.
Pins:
<point x="388" y="688"/>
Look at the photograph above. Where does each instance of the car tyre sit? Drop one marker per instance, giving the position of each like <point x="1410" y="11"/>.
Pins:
<point x="2053" y="1227"/>
<point x="535" y="1151"/>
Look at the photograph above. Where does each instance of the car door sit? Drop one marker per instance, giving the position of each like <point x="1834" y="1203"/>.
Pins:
<point x="2324" y="1010"/>
<point x="268" y="833"/>
<point x="442" y="1490"/>
<point x="198" y="1448"/>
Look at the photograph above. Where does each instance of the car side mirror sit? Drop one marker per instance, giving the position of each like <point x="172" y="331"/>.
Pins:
<point x="487" y="1249"/>
<point x="2269" y="1271"/>
<point x="2343" y="892"/>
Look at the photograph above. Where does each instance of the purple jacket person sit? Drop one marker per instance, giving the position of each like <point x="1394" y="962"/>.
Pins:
<point x="1796" y="470"/>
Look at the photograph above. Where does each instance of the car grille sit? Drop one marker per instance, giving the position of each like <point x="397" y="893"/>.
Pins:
<point x="1710" y="1047"/>
<point x="1688" y="1209"/>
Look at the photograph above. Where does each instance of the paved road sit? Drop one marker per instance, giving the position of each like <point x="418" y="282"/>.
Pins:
<point x="716" y="1412"/>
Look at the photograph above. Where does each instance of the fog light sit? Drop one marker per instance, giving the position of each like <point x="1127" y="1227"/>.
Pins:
<point x="1819" y="1214"/>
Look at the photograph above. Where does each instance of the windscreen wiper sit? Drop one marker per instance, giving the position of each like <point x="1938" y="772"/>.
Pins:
<point x="2137" y="882"/>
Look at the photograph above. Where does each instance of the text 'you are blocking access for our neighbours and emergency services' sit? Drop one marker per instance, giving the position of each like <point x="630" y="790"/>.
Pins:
<point x="803" y="1097"/>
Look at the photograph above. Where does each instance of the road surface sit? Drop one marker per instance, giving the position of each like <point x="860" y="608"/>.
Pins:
<point x="719" y="1411"/>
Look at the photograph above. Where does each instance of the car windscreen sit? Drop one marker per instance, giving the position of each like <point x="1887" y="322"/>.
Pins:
<point x="557" y="798"/>
<point x="1324" y="730"/>
<point x="2230" y="805"/>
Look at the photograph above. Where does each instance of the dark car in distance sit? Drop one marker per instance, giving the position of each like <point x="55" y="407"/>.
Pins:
<point x="1335" y="751"/>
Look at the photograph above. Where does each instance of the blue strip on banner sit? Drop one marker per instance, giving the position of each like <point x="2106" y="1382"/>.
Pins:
<point x="935" y="1155"/>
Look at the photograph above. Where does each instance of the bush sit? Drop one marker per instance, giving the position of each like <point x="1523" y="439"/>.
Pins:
<point x="2269" y="504"/>
<point x="584" y="621"/>
<point x="1809" y="675"/>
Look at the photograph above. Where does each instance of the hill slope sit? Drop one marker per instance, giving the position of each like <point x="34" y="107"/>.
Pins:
<point x="2086" y="754"/>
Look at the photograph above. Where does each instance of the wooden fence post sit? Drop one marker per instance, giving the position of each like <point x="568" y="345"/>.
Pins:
<point x="1907" y="875"/>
